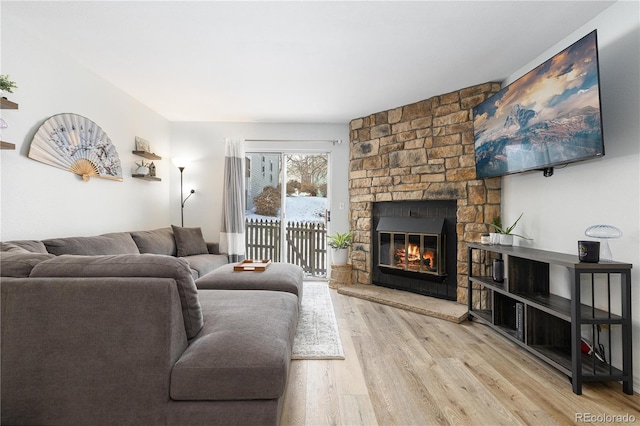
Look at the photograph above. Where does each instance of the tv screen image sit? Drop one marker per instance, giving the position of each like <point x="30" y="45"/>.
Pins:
<point x="550" y="116"/>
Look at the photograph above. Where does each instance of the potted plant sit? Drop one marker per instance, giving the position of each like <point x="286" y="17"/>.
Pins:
<point x="340" y="243"/>
<point x="505" y="233"/>
<point x="7" y="85"/>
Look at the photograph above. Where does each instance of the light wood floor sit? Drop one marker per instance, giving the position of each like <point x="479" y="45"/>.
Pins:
<point x="403" y="368"/>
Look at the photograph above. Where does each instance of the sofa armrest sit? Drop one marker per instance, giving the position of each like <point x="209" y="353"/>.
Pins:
<point x="214" y="248"/>
<point x="89" y="349"/>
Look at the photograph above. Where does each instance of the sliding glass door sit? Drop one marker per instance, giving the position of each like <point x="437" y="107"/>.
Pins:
<point x="287" y="208"/>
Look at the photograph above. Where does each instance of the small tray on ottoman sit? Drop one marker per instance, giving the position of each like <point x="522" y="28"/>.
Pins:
<point x="253" y="265"/>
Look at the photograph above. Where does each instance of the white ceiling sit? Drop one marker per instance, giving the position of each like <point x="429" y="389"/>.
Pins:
<point x="305" y="62"/>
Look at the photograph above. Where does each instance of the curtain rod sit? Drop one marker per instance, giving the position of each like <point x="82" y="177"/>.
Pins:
<point x="333" y="141"/>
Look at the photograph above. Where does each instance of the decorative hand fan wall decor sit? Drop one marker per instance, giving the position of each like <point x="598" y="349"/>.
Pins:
<point x="76" y="144"/>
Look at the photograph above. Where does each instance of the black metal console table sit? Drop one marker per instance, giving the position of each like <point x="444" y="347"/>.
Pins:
<point x="523" y="309"/>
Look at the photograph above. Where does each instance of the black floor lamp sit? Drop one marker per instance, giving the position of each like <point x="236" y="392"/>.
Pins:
<point x="183" y="200"/>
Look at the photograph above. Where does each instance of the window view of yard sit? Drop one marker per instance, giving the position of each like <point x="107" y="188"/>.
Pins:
<point x="301" y="237"/>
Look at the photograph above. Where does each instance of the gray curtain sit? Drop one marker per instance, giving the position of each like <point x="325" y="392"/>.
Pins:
<point x="233" y="208"/>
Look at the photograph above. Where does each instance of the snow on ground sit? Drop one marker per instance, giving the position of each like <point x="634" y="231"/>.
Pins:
<point x="299" y="209"/>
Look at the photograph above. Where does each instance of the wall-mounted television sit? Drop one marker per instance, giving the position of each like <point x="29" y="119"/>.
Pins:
<point x="551" y="116"/>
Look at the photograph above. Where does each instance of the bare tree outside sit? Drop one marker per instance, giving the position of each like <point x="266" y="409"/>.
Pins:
<point x="310" y="172"/>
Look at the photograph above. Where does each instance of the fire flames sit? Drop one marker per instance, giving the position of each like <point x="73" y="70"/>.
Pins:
<point x="411" y="257"/>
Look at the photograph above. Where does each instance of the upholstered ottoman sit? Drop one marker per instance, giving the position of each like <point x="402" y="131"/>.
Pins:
<point x="277" y="277"/>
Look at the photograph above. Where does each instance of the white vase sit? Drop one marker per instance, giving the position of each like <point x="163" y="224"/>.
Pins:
<point x="142" y="171"/>
<point x="340" y="256"/>
<point x="494" y="238"/>
<point x="506" y="239"/>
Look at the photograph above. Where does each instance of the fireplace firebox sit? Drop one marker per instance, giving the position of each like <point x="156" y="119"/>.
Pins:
<point x="414" y="247"/>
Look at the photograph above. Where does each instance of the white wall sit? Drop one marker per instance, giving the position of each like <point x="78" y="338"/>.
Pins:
<point x="203" y="143"/>
<point x="558" y="209"/>
<point x="40" y="201"/>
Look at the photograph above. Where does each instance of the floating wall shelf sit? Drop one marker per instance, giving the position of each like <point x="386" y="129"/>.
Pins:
<point x="7" y="104"/>
<point x="7" y="145"/>
<point x="147" y="155"/>
<point x="146" y="177"/>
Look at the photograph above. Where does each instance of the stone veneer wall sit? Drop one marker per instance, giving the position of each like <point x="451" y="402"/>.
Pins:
<point x="421" y="151"/>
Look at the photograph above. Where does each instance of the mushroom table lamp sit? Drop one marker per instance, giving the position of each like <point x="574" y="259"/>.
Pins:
<point x="604" y="233"/>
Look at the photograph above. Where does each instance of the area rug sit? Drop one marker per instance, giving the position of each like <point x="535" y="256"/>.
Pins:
<point x="317" y="335"/>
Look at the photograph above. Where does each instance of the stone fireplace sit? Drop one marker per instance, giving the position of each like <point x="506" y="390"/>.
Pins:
<point x="414" y="247"/>
<point x="420" y="152"/>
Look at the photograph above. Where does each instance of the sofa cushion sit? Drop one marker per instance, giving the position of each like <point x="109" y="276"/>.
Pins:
<point x="244" y="349"/>
<point x="202" y="264"/>
<point x="31" y="246"/>
<point x="135" y="265"/>
<point x="157" y="241"/>
<point x="19" y="264"/>
<point x="113" y="243"/>
<point x="189" y="241"/>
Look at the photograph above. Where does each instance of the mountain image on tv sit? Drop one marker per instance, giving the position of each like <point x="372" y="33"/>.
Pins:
<point x="550" y="116"/>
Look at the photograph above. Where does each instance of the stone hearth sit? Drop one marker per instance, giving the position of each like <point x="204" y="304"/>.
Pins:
<point x="421" y="151"/>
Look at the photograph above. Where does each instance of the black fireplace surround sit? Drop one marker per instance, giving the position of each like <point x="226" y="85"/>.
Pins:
<point x="414" y="247"/>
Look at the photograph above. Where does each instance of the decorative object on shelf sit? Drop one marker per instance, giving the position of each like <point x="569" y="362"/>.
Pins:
<point x="7" y="85"/>
<point x="588" y="349"/>
<point x="494" y="238"/>
<point x="498" y="270"/>
<point x="181" y="164"/>
<point x="506" y="233"/>
<point x="603" y="233"/>
<point x="340" y="243"/>
<point x="76" y="144"/>
<point x="142" y="168"/>
<point x="142" y="145"/>
<point x="152" y="169"/>
<point x="589" y="251"/>
<point x="3" y="124"/>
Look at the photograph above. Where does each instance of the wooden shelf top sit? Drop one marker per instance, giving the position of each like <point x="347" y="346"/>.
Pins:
<point x="563" y="259"/>
<point x="7" y="145"/>
<point x="147" y="155"/>
<point x="146" y="177"/>
<point x="7" y="104"/>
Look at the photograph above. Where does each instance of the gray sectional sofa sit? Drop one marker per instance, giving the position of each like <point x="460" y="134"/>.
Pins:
<point x="187" y="243"/>
<point x="105" y="337"/>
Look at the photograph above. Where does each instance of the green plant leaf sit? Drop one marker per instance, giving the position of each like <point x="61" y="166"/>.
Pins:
<point x="340" y="241"/>
<point x="500" y="229"/>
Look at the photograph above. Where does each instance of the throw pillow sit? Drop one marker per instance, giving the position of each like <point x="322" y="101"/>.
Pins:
<point x="189" y="241"/>
<point x="157" y="241"/>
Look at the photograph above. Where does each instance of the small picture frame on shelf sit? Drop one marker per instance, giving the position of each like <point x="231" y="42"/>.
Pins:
<point x="142" y="144"/>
